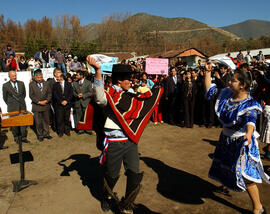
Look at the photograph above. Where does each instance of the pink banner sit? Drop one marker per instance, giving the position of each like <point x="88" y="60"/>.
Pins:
<point x="156" y="66"/>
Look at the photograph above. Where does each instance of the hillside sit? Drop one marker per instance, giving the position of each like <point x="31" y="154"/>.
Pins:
<point x="178" y="29"/>
<point x="173" y="29"/>
<point x="249" y="29"/>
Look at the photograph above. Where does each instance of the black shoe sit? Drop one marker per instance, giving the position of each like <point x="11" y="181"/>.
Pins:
<point x="48" y="137"/>
<point x="105" y="205"/>
<point x="88" y="132"/>
<point x="80" y="132"/>
<point x="3" y="147"/>
<point x="172" y="123"/>
<point x="60" y="135"/>
<point x="40" y="139"/>
<point x="25" y="141"/>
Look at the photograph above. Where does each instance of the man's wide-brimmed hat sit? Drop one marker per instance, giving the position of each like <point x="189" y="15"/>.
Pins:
<point x="121" y="72"/>
<point x="121" y="68"/>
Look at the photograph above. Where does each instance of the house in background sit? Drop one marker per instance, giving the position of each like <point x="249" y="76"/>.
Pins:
<point x="189" y="56"/>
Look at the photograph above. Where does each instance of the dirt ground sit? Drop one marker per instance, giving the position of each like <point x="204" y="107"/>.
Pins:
<point x="175" y="162"/>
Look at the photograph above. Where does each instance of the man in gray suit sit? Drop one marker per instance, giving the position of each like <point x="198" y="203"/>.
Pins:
<point x="82" y="91"/>
<point x="14" y="95"/>
<point x="41" y="95"/>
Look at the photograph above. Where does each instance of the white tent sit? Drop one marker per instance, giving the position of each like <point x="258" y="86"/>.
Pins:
<point x="265" y="51"/>
<point x="224" y="60"/>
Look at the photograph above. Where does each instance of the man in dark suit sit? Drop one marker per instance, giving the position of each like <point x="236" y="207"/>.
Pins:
<point x="172" y="95"/>
<point x="14" y="95"/>
<point x="62" y="98"/>
<point x="83" y="91"/>
<point x="41" y="95"/>
<point x="222" y="77"/>
<point x="51" y="81"/>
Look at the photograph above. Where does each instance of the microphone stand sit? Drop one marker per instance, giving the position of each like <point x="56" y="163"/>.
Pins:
<point x="18" y="185"/>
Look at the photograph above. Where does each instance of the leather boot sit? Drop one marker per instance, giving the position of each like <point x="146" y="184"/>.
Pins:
<point x="106" y="200"/>
<point x="132" y="190"/>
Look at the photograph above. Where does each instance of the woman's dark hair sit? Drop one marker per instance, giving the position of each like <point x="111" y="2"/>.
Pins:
<point x="144" y="73"/>
<point x="68" y="75"/>
<point x="244" y="78"/>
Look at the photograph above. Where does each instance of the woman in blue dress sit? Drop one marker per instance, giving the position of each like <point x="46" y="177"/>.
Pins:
<point x="237" y="164"/>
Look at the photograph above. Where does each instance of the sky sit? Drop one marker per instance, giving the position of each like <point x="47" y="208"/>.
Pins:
<point x="217" y="13"/>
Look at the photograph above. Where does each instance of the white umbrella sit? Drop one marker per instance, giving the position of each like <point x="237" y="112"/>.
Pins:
<point x="225" y="60"/>
<point x="100" y="58"/>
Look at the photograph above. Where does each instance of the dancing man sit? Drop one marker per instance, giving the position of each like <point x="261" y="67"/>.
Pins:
<point x="127" y="116"/>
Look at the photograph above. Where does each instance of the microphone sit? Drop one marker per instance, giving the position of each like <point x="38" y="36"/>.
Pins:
<point x="17" y="99"/>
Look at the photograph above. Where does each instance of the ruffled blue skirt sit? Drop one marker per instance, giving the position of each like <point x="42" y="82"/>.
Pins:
<point x="234" y="163"/>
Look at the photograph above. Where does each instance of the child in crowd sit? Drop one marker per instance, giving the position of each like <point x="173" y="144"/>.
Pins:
<point x="31" y="64"/>
<point x="143" y="87"/>
<point x="37" y="64"/>
<point x="135" y="88"/>
<point x="52" y="61"/>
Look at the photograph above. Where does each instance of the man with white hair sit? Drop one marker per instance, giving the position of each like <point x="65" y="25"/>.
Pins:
<point x="14" y="94"/>
<point x="75" y="65"/>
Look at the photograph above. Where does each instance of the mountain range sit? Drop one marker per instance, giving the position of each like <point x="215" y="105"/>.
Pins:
<point x="250" y="29"/>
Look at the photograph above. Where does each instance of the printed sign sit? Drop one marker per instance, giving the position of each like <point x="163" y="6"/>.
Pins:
<point x="157" y="66"/>
<point x="47" y="73"/>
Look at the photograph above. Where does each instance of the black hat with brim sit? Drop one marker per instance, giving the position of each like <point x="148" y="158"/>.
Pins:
<point x="121" y="71"/>
<point x="122" y="68"/>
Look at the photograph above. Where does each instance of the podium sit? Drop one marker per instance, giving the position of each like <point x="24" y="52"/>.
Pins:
<point x="13" y="119"/>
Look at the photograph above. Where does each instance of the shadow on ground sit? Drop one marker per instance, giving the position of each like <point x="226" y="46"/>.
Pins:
<point x="267" y="170"/>
<point x="89" y="170"/>
<point x="211" y="142"/>
<point x="92" y="174"/>
<point x="3" y="137"/>
<point x="184" y="187"/>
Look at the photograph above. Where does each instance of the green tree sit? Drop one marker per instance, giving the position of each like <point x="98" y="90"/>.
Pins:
<point x="82" y="49"/>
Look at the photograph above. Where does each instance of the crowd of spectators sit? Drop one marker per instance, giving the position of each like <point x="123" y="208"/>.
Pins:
<point x="183" y="101"/>
<point x="42" y="59"/>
